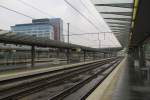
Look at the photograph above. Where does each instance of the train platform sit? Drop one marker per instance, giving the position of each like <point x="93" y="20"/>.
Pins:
<point x="105" y="89"/>
<point x="32" y="71"/>
<point x="124" y="83"/>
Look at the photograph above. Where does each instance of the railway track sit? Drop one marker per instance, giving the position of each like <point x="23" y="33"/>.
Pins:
<point x="26" y="88"/>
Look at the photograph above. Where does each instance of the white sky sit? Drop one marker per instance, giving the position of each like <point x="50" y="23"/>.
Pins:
<point x="58" y="8"/>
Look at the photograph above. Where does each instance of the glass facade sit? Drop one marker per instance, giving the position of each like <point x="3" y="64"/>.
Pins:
<point x="58" y="28"/>
<point x="35" y="29"/>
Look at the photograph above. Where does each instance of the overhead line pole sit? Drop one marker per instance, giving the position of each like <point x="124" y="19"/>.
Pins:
<point x="68" y="32"/>
<point x="41" y="11"/>
<point x="99" y="41"/>
<point x="68" y="58"/>
<point x="88" y="33"/>
<point x="82" y="14"/>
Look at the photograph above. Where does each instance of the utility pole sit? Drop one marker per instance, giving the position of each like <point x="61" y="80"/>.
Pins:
<point x="68" y="31"/>
<point x="32" y="56"/>
<point x="68" y="58"/>
<point x="104" y="35"/>
<point x="99" y="41"/>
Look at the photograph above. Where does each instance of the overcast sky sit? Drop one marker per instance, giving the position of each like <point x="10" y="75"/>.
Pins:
<point x="59" y="8"/>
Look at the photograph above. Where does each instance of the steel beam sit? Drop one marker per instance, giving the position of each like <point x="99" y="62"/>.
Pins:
<point x="84" y="55"/>
<point x="121" y="5"/>
<point x="119" y="19"/>
<point x="118" y="13"/>
<point x="112" y="26"/>
<point x="119" y="23"/>
<point x="32" y="56"/>
<point x="121" y="31"/>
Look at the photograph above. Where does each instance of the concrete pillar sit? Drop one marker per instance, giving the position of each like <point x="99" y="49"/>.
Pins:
<point x="57" y="52"/>
<point x="32" y="56"/>
<point x="142" y="57"/>
<point x="38" y="54"/>
<point x="135" y="58"/>
<point x="104" y="56"/>
<point x="145" y="72"/>
<point x="109" y="55"/>
<point x="93" y="55"/>
<point x="84" y="55"/>
<point x="115" y="54"/>
<point x="68" y="56"/>
<point x="135" y="53"/>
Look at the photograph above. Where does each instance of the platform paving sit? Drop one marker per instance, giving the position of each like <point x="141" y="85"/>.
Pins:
<point x="131" y="84"/>
<point x="105" y="90"/>
<point x="127" y="84"/>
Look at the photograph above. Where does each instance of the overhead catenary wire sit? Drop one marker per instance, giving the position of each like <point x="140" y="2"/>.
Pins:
<point x="41" y="11"/>
<point x="4" y="7"/>
<point x="87" y="39"/>
<point x="94" y="17"/>
<point x="77" y="28"/>
<point x="18" y="12"/>
<point x="90" y="13"/>
<point x="82" y="15"/>
<point x="88" y="10"/>
<point x="37" y="9"/>
<point x="88" y="33"/>
<point x="27" y="4"/>
<point x="74" y="35"/>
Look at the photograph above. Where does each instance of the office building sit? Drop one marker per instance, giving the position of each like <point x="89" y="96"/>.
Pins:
<point x="48" y="28"/>
<point x="58" y="28"/>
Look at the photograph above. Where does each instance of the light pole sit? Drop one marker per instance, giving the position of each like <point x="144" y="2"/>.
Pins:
<point x="68" y="24"/>
<point x="68" y="44"/>
<point x="99" y="41"/>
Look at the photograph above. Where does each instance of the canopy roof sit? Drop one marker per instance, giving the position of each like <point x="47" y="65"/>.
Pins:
<point x="118" y="15"/>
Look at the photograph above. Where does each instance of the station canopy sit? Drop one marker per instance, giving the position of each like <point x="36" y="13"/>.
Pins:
<point x="118" y="15"/>
<point x="24" y="39"/>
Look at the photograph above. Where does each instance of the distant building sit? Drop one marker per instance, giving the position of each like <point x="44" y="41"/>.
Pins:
<point x="36" y="29"/>
<point x="48" y="28"/>
<point x="58" y="28"/>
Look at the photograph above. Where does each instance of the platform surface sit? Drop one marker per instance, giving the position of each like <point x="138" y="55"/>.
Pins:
<point x="131" y="85"/>
<point x="126" y="84"/>
<point x="105" y="90"/>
